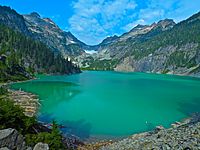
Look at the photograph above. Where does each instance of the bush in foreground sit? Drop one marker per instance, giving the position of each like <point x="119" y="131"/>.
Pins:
<point x="12" y="116"/>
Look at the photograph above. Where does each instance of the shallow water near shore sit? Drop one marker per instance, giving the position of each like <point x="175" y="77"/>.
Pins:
<point x="112" y="104"/>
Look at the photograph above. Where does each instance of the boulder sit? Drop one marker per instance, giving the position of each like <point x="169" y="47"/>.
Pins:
<point x="4" y="148"/>
<point x="11" y="139"/>
<point x="41" y="146"/>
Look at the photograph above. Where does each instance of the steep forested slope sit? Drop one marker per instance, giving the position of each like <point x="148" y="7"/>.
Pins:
<point x="20" y="56"/>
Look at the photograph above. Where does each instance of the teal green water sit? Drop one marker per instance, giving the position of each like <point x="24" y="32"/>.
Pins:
<point x="114" y="104"/>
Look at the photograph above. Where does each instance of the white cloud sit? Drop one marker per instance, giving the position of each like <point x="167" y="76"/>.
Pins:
<point x="148" y="14"/>
<point x="175" y="9"/>
<point x="93" y="20"/>
<point x="185" y="8"/>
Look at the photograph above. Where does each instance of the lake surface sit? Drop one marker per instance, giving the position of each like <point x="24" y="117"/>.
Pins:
<point x="112" y="104"/>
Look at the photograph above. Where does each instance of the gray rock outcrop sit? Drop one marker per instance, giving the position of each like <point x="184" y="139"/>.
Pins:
<point x="183" y="137"/>
<point x="11" y="139"/>
<point x="41" y="146"/>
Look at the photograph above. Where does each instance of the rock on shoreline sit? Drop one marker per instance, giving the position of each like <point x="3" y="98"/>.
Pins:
<point x="11" y="139"/>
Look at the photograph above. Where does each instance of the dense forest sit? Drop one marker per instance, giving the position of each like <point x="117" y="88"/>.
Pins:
<point x="21" y="56"/>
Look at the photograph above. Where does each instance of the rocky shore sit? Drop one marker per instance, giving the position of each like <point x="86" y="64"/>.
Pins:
<point x="11" y="139"/>
<point x="182" y="136"/>
<point x="28" y="101"/>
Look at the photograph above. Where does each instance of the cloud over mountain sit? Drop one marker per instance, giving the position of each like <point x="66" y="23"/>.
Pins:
<point x="93" y="20"/>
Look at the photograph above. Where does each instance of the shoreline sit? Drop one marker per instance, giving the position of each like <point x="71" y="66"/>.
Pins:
<point x="189" y="125"/>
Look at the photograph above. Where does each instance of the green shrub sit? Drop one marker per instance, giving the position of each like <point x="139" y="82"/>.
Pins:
<point x="12" y="116"/>
<point x="53" y="139"/>
<point x="3" y="90"/>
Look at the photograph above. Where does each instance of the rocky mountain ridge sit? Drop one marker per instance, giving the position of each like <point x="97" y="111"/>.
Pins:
<point x="144" y="29"/>
<point x="45" y="30"/>
<point x="163" y="47"/>
<point x="12" y="19"/>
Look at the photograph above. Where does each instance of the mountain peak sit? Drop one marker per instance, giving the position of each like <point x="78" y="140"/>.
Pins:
<point x="50" y="21"/>
<point x="166" y="22"/>
<point x="12" y="19"/>
<point x="34" y="14"/>
<point x="109" y="39"/>
<point x="139" y="26"/>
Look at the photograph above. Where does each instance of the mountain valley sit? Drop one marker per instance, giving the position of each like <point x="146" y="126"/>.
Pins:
<point x="163" y="47"/>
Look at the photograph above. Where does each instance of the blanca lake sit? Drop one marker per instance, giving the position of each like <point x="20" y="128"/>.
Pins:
<point x="112" y="104"/>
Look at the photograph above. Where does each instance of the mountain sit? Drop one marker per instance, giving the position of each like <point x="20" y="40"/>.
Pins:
<point x="108" y="40"/>
<point x="111" y="50"/>
<point x="163" y="47"/>
<point x="21" y="55"/>
<point x="12" y="19"/>
<point x="144" y="29"/>
<point x="45" y="30"/>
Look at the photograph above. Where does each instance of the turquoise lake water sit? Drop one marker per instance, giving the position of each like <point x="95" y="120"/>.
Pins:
<point x="112" y="104"/>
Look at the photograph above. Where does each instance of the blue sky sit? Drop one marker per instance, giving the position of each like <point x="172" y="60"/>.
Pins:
<point x="93" y="20"/>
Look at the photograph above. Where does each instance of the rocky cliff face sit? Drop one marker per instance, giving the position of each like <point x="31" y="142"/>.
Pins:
<point x="7" y="15"/>
<point x="161" y="61"/>
<point x="49" y="33"/>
